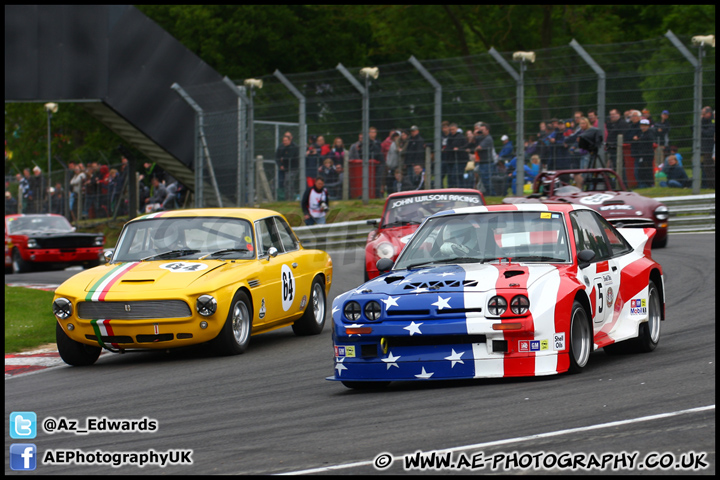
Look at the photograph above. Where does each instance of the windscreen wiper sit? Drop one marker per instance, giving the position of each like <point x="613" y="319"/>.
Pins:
<point x="223" y="251"/>
<point x="179" y="253"/>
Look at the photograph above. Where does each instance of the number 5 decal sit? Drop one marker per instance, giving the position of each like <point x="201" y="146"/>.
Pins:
<point x="600" y="302"/>
<point x="288" y="288"/>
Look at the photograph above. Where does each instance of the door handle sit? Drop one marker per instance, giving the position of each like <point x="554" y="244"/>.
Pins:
<point x="614" y="269"/>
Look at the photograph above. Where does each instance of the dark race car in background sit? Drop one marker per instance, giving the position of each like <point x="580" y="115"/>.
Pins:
<point x="45" y="241"/>
<point x="604" y="191"/>
<point x="402" y="215"/>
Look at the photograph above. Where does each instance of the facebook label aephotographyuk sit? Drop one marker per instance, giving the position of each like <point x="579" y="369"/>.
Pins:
<point x="23" y="456"/>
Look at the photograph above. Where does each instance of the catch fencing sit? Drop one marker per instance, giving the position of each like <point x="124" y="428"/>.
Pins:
<point x="339" y="103"/>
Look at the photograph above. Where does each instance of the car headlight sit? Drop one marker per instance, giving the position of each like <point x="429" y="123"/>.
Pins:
<point x="99" y="241"/>
<point x="352" y="311"/>
<point x="62" y="308"/>
<point x="373" y="310"/>
<point x="206" y="305"/>
<point x="519" y="305"/>
<point x="385" y="250"/>
<point x="32" y="243"/>
<point x="662" y="213"/>
<point x="497" y="305"/>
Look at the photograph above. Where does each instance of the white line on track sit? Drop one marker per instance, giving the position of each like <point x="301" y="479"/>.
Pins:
<point x="516" y="440"/>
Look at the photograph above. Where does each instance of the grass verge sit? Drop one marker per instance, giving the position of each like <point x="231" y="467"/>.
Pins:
<point x="29" y="321"/>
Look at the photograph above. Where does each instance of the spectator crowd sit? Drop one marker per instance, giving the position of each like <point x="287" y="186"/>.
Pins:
<point x="95" y="191"/>
<point x="471" y="157"/>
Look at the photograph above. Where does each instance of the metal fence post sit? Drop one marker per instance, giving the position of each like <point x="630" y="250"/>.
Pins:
<point x="302" y="128"/>
<point x="437" y="142"/>
<point x="520" y="164"/>
<point x="365" y="127"/>
<point x="697" y="106"/>
<point x="242" y="134"/>
<point x="600" y="93"/>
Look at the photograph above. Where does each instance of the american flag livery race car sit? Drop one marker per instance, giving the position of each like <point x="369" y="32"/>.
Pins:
<point x="501" y="291"/>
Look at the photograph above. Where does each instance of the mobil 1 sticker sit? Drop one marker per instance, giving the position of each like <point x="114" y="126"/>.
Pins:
<point x="288" y="287"/>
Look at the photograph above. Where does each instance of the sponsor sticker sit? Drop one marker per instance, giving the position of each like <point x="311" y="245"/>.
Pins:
<point x="346" y="351"/>
<point x="533" y="345"/>
<point x="262" y="311"/>
<point x="610" y="297"/>
<point x="638" y="306"/>
<point x="559" y="341"/>
<point x="545" y="215"/>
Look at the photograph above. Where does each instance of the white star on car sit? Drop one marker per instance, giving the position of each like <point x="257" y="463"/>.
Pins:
<point x="413" y="328"/>
<point x="419" y="290"/>
<point x="441" y="303"/>
<point x="424" y="375"/>
<point x="455" y="358"/>
<point x="335" y="309"/>
<point x="446" y="274"/>
<point x="339" y="366"/>
<point x="390" y="361"/>
<point x="390" y="302"/>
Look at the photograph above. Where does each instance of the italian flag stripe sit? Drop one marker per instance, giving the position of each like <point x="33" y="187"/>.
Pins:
<point x="97" y="292"/>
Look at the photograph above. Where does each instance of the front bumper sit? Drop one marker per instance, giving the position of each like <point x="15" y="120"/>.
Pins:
<point x="443" y="350"/>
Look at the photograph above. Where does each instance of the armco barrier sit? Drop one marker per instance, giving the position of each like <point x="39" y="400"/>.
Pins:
<point x="691" y="213"/>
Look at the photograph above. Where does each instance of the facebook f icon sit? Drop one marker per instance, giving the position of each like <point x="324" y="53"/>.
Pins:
<point x="23" y="425"/>
<point x="23" y="456"/>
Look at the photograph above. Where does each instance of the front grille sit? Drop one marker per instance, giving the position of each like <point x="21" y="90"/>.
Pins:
<point x="68" y="241"/>
<point x="140" y="310"/>
<point x="631" y="222"/>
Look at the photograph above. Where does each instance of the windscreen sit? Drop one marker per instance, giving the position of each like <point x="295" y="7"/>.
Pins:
<point x="487" y="237"/>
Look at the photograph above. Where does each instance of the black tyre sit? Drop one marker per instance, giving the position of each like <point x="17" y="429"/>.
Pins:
<point x="75" y="353"/>
<point x="19" y="265"/>
<point x="366" y="385"/>
<point x="581" y="338"/>
<point x="313" y="320"/>
<point x="234" y="337"/>
<point x="649" y="332"/>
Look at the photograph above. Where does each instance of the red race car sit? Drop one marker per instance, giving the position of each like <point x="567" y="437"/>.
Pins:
<point x="604" y="191"/>
<point x="403" y="214"/>
<point x="45" y="241"/>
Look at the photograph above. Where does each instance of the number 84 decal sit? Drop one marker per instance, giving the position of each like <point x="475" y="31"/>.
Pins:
<point x="288" y="287"/>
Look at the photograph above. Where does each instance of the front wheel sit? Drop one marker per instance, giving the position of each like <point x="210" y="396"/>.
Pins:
<point x="18" y="264"/>
<point x="649" y="332"/>
<point x="581" y="338"/>
<point x="75" y="353"/>
<point x="234" y="337"/>
<point x="313" y="320"/>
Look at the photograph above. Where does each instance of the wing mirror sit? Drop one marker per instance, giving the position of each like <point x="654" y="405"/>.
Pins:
<point x="108" y="254"/>
<point x="272" y="252"/>
<point x="384" y="265"/>
<point x="585" y="257"/>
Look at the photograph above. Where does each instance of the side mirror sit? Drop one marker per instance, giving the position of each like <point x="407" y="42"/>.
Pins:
<point x="585" y="257"/>
<point x="272" y="252"/>
<point x="384" y="265"/>
<point x="372" y="222"/>
<point x="108" y="254"/>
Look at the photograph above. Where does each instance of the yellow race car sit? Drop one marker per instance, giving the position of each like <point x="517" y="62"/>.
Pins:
<point x="184" y="277"/>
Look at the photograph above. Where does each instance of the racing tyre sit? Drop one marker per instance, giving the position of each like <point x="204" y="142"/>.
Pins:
<point x="234" y="337"/>
<point x="313" y="320"/>
<point x="18" y="264"/>
<point x="366" y="385"/>
<point x="75" y="353"/>
<point x="581" y="338"/>
<point x="649" y="332"/>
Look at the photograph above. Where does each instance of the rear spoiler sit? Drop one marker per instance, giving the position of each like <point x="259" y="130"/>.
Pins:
<point x="639" y="238"/>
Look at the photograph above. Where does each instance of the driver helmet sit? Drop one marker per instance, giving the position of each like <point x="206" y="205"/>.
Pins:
<point x="546" y="185"/>
<point x="460" y="234"/>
